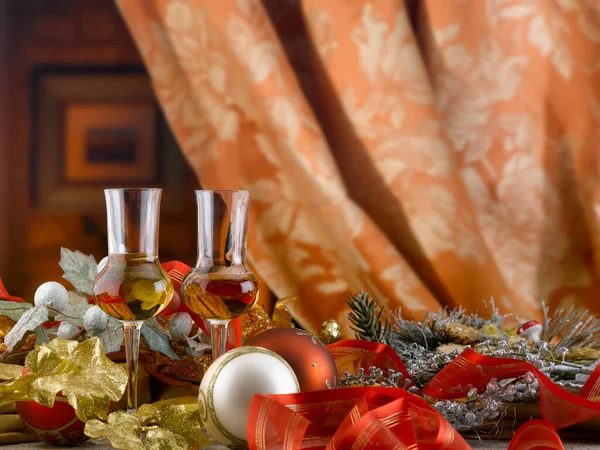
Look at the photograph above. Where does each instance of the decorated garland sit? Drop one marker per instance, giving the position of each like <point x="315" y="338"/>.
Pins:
<point x="565" y="348"/>
<point x="73" y="315"/>
<point x="466" y="370"/>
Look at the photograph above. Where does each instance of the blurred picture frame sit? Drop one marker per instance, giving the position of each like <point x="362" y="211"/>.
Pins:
<point x="95" y="128"/>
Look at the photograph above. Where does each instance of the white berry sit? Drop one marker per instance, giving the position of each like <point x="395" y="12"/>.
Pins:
<point x="102" y="264"/>
<point x="95" y="319"/>
<point x="67" y="330"/>
<point x="53" y="295"/>
<point x="180" y="325"/>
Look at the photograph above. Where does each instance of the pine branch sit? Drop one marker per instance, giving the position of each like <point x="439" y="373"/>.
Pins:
<point x="365" y="317"/>
<point x="569" y="328"/>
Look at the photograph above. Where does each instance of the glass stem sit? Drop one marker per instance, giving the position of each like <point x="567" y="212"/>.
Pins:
<point x="218" y="335"/>
<point x="132" y="349"/>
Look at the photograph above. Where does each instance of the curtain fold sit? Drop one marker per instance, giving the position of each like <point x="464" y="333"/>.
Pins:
<point x="437" y="156"/>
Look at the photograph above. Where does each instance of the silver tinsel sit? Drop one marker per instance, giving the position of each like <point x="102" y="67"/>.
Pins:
<point x="375" y="376"/>
<point x="490" y="405"/>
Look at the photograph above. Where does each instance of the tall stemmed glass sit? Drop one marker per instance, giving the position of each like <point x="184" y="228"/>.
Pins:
<point x="133" y="286"/>
<point x="220" y="286"/>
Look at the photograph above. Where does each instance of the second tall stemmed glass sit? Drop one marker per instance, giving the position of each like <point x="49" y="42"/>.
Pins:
<point x="220" y="287"/>
<point x="133" y="286"/>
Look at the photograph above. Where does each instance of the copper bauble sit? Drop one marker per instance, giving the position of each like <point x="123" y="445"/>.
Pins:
<point x="313" y="364"/>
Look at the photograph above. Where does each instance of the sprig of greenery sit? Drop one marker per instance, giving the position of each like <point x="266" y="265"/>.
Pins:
<point x="366" y="317"/>
<point x="80" y="270"/>
<point x="573" y="327"/>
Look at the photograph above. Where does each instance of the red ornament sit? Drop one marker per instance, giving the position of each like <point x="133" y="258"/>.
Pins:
<point x="313" y="364"/>
<point x="57" y="425"/>
<point x="531" y="330"/>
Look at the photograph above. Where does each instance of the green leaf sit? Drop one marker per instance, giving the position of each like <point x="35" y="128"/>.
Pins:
<point x="80" y="270"/>
<point x="198" y="343"/>
<point x="13" y="310"/>
<point x="77" y="305"/>
<point x="28" y="322"/>
<point x="41" y="336"/>
<point x="157" y="339"/>
<point x="112" y="338"/>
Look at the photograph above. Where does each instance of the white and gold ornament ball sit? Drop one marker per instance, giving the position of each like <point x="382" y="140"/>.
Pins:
<point x="229" y="385"/>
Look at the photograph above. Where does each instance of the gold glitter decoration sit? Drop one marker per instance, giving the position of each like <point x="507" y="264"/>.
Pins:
<point x="28" y="342"/>
<point x="258" y="320"/>
<point x="153" y="426"/>
<point x="255" y="321"/>
<point x="10" y="372"/>
<point x="189" y="402"/>
<point x="6" y="325"/>
<point x="122" y="430"/>
<point x="330" y="332"/>
<point x="81" y="371"/>
<point x="281" y="312"/>
<point x="189" y="369"/>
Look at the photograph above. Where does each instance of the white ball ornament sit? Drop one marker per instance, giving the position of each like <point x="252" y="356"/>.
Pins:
<point x="180" y="325"/>
<point x="102" y="264"/>
<point x="230" y="383"/>
<point x="67" y="330"/>
<point x="95" y="319"/>
<point x="53" y="295"/>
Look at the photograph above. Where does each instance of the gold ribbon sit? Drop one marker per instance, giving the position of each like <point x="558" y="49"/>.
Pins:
<point x="9" y="372"/>
<point x="81" y="371"/>
<point x="160" y="425"/>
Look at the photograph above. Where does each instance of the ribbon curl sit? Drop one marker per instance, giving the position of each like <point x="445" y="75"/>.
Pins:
<point x="560" y="407"/>
<point x="354" y="418"/>
<point x="389" y="418"/>
<point x="4" y="295"/>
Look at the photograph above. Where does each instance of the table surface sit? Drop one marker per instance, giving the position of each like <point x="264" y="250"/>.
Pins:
<point x="100" y="444"/>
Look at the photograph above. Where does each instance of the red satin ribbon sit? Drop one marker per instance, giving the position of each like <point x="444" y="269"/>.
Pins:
<point x="4" y="295"/>
<point x="536" y="435"/>
<point x="558" y="406"/>
<point x="350" y="355"/>
<point x="353" y="418"/>
<point x="382" y="418"/>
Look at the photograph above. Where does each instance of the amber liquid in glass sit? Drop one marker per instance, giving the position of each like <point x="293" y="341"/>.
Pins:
<point x="220" y="297"/>
<point x="133" y="287"/>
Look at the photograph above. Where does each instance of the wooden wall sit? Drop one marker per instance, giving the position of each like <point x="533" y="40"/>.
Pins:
<point x="3" y="142"/>
<point x="61" y="32"/>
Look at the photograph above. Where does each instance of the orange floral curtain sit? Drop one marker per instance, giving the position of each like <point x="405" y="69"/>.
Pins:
<point x="434" y="152"/>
